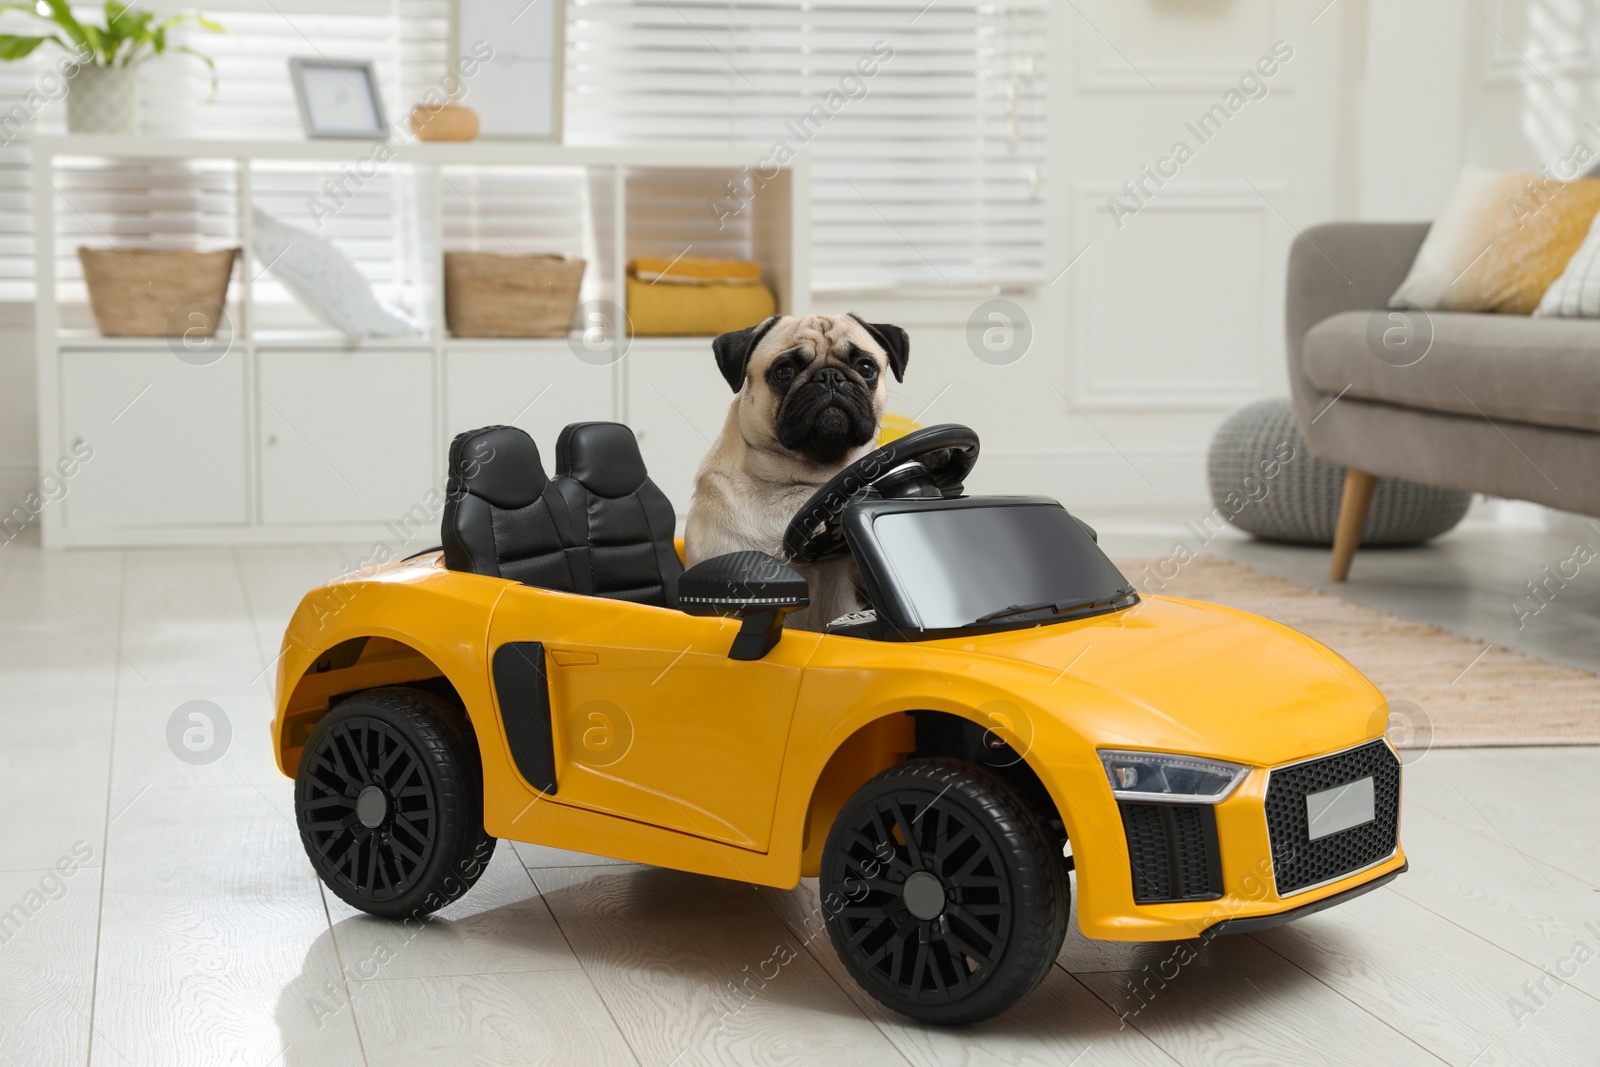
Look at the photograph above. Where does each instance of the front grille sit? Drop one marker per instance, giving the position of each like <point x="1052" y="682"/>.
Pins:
<point x="1297" y="861"/>
<point x="1173" y="851"/>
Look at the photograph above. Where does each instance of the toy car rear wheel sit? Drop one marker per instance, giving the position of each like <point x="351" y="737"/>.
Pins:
<point x="389" y="801"/>
<point x="941" y="892"/>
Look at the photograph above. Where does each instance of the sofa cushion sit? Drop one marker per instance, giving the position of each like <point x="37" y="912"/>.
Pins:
<point x="1545" y="372"/>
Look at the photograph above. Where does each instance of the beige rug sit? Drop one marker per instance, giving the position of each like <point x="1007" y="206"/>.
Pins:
<point x="1444" y="691"/>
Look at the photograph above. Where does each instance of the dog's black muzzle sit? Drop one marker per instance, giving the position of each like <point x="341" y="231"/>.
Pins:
<point x="827" y="416"/>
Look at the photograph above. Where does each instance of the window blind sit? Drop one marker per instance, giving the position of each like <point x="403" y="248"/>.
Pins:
<point x="927" y="170"/>
<point x="925" y="125"/>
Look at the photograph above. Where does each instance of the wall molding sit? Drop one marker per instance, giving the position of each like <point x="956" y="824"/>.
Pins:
<point x="1091" y="387"/>
<point x="1102" y="69"/>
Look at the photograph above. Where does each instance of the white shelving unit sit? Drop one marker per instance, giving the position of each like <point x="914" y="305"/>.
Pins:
<point x="288" y="432"/>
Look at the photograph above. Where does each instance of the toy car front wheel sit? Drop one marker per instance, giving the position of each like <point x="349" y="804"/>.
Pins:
<point x="941" y="893"/>
<point x="389" y="801"/>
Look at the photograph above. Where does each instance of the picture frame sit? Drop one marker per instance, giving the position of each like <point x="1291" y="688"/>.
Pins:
<point x="338" y="98"/>
<point x="517" y="91"/>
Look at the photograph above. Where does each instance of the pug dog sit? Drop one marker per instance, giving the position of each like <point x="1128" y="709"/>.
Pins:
<point x="810" y="397"/>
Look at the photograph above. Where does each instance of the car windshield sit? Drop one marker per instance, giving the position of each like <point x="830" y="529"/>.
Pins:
<point x="1003" y="565"/>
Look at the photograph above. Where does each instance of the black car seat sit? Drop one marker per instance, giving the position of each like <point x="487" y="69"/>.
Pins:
<point x="623" y="523"/>
<point x="502" y="515"/>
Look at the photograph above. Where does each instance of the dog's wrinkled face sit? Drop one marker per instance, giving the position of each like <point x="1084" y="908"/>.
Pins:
<point x="812" y="387"/>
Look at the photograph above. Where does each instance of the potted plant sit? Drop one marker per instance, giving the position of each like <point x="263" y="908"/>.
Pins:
<point x="104" y="93"/>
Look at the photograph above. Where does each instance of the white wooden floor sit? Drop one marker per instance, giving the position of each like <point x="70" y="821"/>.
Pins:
<point x="190" y="929"/>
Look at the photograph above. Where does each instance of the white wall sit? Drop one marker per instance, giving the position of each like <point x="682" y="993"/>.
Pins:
<point x="1411" y="106"/>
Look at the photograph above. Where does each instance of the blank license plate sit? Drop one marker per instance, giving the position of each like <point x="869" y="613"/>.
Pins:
<point x="1340" y="808"/>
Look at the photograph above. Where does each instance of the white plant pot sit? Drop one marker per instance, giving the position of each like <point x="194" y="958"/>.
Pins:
<point x="103" y="100"/>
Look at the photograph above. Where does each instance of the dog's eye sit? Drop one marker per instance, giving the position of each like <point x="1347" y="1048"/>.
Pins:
<point x="783" y="375"/>
<point x="867" y="367"/>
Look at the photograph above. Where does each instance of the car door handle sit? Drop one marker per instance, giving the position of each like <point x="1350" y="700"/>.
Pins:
<point x="565" y="658"/>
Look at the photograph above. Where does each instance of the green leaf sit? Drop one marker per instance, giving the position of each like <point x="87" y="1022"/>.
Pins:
<point x="61" y="15"/>
<point x="134" y="29"/>
<point x="195" y="17"/>
<point x="96" y="40"/>
<point x="127" y="37"/>
<point x="14" y="47"/>
<point x="202" y="57"/>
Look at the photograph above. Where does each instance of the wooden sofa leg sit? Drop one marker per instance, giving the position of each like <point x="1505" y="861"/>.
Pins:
<point x="1358" y="488"/>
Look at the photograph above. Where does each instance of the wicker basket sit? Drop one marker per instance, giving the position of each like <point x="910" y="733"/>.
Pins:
<point x="487" y="294"/>
<point x="141" y="293"/>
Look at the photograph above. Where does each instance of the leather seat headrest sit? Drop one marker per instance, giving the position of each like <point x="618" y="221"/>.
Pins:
<point x="603" y="456"/>
<point x="498" y="463"/>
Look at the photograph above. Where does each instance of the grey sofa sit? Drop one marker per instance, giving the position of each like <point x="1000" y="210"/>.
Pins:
<point x="1500" y="404"/>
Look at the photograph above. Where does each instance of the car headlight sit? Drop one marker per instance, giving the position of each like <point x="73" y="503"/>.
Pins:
<point x="1159" y="776"/>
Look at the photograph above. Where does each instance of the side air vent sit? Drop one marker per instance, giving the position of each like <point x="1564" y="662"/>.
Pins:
<point x="1173" y="851"/>
<point x="523" y="690"/>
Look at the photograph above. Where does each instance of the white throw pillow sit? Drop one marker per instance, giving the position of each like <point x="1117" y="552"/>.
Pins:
<point x="1576" y="293"/>
<point x="323" y="279"/>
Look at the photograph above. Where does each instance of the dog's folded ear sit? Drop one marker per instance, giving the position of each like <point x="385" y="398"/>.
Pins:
<point x="733" y="350"/>
<point x="894" y="341"/>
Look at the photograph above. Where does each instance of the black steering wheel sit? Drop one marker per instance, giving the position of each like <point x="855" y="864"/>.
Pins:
<point x="932" y="462"/>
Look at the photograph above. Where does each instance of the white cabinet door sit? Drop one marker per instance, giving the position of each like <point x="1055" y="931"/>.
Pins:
<point x="347" y="436"/>
<point x="168" y="439"/>
<point x="677" y="403"/>
<point x="538" y="385"/>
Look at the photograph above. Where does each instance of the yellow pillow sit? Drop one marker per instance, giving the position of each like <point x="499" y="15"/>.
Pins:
<point x="1500" y="241"/>
<point x="696" y="310"/>
<point x="695" y="270"/>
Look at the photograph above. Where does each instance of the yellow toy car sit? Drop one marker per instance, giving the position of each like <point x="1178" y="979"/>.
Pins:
<point x="1008" y="710"/>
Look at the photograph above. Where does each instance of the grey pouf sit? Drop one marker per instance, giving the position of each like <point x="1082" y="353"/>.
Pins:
<point x="1266" y="482"/>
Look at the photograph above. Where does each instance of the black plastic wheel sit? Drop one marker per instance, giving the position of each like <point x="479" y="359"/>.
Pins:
<point x="942" y="894"/>
<point x="389" y="800"/>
